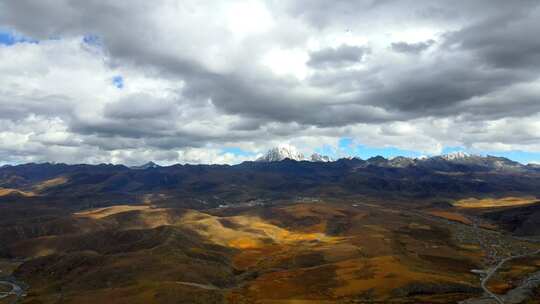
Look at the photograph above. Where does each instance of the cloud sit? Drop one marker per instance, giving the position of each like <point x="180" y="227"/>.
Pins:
<point x="139" y="106"/>
<point x="503" y="42"/>
<point x="344" y="55"/>
<point x="413" y="48"/>
<point x="129" y="81"/>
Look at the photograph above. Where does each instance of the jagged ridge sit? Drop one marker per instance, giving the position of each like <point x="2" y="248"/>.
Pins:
<point x="443" y="162"/>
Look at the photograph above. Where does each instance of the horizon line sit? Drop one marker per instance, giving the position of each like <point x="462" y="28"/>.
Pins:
<point x="256" y="160"/>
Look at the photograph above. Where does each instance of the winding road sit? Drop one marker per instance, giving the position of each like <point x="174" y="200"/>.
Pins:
<point x="485" y="280"/>
<point x="16" y="290"/>
<point x="493" y="270"/>
<point x="203" y="286"/>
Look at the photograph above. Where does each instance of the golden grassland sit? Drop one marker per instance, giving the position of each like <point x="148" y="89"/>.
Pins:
<point x="36" y="189"/>
<point x="141" y="293"/>
<point x="9" y="191"/>
<point x="99" y="213"/>
<point x="244" y="231"/>
<point x="301" y="253"/>
<point x="495" y="202"/>
<point x="363" y="262"/>
<point x="382" y="274"/>
<point x="450" y="215"/>
<point x="50" y="183"/>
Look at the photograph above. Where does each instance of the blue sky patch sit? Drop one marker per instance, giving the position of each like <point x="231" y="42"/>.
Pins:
<point x="93" y="40"/>
<point x="118" y="81"/>
<point x="10" y="38"/>
<point x="366" y="152"/>
<point x="237" y="151"/>
<point x="347" y="147"/>
<point x="326" y="150"/>
<point x="519" y="156"/>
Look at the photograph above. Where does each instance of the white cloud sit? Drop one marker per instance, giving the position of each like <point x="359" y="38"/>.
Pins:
<point x="287" y="62"/>
<point x="203" y="76"/>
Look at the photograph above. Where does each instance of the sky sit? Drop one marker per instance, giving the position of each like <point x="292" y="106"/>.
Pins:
<point x="223" y="81"/>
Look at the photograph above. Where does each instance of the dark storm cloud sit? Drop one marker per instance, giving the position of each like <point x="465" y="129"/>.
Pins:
<point x="248" y="124"/>
<point x="54" y="18"/>
<point x="126" y="128"/>
<point x="344" y="55"/>
<point x="270" y="100"/>
<point x="414" y="48"/>
<point x="356" y="14"/>
<point x="138" y="107"/>
<point x="508" y="41"/>
<point x="438" y="88"/>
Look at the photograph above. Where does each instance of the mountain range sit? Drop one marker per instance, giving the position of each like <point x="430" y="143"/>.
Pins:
<point x="279" y="173"/>
<point x="441" y="161"/>
<point x="402" y="230"/>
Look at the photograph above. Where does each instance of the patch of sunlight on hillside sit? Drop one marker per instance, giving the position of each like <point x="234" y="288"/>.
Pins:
<point x="10" y="191"/>
<point x="244" y="231"/>
<point x="107" y="211"/>
<point x="495" y="202"/>
<point x="50" y="183"/>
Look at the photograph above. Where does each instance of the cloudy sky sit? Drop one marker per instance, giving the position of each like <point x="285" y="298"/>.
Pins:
<point x="222" y="81"/>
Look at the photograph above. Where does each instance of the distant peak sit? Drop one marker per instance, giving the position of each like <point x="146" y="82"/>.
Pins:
<point x="148" y="165"/>
<point x="377" y="158"/>
<point x="401" y="161"/>
<point x="316" y="157"/>
<point x="456" y="155"/>
<point x="399" y="157"/>
<point x="283" y="152"/>
<point x="351" y="158"/>
<point x="280" y="153"/>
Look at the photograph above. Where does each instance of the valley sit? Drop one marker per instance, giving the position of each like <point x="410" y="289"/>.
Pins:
<point x="307" y="252"/>
<point x="348" y="231"/>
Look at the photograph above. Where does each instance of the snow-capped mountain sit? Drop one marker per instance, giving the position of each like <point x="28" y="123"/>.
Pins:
<point x="280" y="153"/>
<point x="487" y="162"/>
<point x="289" y="152"/>
<point x="456" y="155"/>
<point x="446" y="162"/>
<point x="316" y="157"/>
